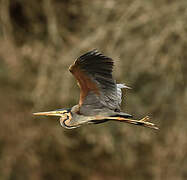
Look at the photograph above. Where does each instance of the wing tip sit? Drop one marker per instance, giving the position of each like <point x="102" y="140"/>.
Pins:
<point x="93" y="54"/>
<point x="121" y="86"/>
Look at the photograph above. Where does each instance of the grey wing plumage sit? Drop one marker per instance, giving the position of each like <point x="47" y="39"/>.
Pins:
<point x="119" y="92"/>
<point x="93" y="72"/>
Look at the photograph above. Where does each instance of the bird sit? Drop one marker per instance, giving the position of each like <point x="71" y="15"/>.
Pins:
<point x="100" y="96"/>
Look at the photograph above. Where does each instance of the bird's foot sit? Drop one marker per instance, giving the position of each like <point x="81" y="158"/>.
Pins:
<point x="142" y="122"/>
<point x="145" y="122"/>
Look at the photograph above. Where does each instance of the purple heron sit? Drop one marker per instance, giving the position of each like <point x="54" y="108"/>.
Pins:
<point x="100" y="96"/>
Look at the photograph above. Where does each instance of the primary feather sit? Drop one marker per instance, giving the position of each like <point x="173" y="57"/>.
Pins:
<point x="93" y="72"/>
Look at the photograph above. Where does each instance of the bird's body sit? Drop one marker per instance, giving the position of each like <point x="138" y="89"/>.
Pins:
<point x="100" y="96"/>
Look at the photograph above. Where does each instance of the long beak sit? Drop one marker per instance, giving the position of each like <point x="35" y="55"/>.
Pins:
<point x="49" y="113"/>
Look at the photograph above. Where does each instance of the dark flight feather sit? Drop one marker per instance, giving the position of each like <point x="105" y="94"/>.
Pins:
<point x="93" y="72"/>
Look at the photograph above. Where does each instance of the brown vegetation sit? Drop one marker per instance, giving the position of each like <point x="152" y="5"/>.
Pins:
<point x="38" y="42"/>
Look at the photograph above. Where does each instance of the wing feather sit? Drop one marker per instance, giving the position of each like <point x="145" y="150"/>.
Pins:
<point x="93" y="72"/>
<point x="85" y="83"/>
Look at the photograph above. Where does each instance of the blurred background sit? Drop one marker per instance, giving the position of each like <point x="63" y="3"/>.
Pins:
<point x="38" y="42"/>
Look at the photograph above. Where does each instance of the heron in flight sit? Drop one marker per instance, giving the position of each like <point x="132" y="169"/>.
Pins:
<point x="100" y="96"/>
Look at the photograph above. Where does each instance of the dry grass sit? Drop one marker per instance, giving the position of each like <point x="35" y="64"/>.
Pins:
<point x="40" y="39"/>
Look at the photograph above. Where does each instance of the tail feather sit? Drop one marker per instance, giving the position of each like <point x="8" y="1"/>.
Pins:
<point x="122" y="114"/>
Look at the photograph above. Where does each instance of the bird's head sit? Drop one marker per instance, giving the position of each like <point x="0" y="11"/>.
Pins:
<point x="64" y="114"/>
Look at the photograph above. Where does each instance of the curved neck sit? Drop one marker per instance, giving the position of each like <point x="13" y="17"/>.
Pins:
<point x="66" y="122"/>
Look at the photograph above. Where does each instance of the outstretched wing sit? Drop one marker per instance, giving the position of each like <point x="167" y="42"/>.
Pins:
<point x="93" y="72"/>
